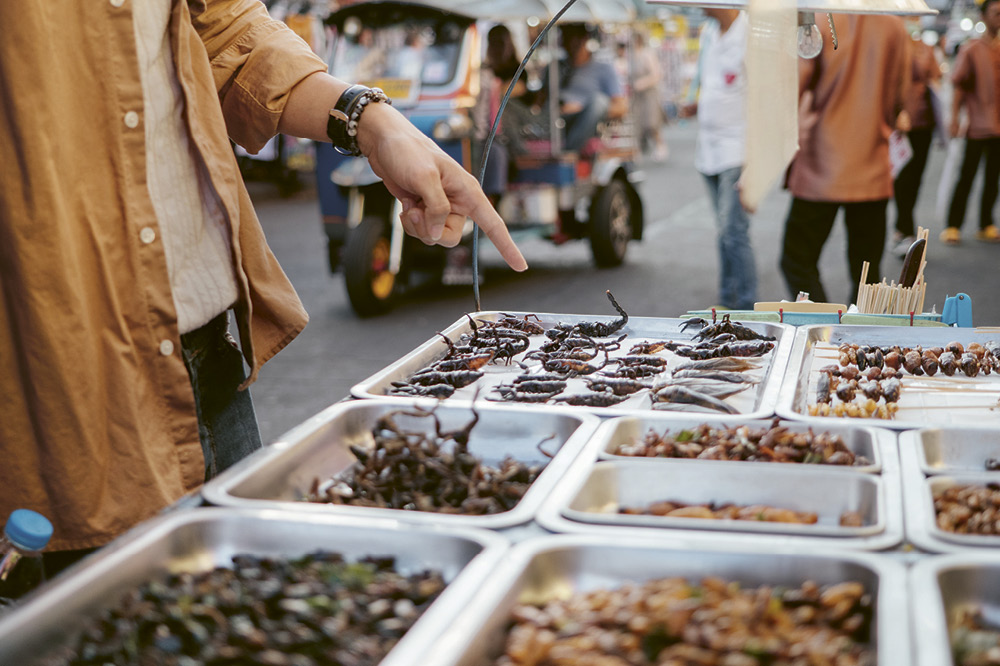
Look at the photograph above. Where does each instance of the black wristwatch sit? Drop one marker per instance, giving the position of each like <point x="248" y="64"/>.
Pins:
<point x="342" y="126"/>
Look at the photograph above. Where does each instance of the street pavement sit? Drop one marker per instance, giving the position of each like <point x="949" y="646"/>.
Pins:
<point x="674" y="269"/>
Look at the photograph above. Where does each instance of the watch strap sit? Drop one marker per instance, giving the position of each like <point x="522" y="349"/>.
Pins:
<point x="336" y="125"/>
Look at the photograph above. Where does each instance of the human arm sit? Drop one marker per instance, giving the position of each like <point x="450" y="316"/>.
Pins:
<point x="269" y="81"/>
<point x="437" y="194"/>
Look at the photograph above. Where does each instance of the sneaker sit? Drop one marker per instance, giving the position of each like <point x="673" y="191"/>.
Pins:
<point x="989" y="234"/>
<point x="952" y="236"/>
<point x="902" y="246"/>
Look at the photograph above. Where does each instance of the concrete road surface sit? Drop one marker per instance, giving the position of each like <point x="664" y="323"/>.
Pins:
<point x="674" y="269"/>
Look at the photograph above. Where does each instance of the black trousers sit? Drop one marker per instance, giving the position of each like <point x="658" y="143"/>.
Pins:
<point x="808" y="226"/>
<point x="907" y="185"/>
<point x="975" y="149"/>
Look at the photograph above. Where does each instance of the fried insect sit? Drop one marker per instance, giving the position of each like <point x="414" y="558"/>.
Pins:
<point x="750" y="348"/>
<point x="426" y="469"/>
<point x="636" y="371"/>
<point x="716" y="375"/>
<point x="823" y="386"/>
<point x="569" y="365"/>
<point x="641" y="359"/>
<point x="726" y="326"/>
<point x="653" y="346"/>
<point x="439" y="391"/>
<point x="616" y="385"/>
<point x="727" y="363"/>
<point x="716" y="389"/>
<point x="457" y="378"/>
<point x="679" y="395"/>
<point x="507" y="393"/>
<point x="469" y="362"/>
<point x="601" y="329"/>
<point x="596" y="399"/>
<point x="536" y="386"/>
<point x="522" y="323"/>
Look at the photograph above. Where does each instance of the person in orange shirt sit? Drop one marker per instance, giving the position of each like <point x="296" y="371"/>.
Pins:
<point x="976" y="88"/>
<point x="924" y="73"/>
<point x="850" y="99"/>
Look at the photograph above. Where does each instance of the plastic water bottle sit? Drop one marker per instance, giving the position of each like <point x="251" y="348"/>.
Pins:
<point x="25" y="536"/>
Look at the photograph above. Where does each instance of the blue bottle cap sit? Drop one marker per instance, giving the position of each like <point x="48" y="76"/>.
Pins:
<point x="28" y="529"/>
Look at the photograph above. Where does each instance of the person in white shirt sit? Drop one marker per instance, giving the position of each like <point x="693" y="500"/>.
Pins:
<point x="719" y="154"/>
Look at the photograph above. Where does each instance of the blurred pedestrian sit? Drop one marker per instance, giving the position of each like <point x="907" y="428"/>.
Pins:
<point x="127" y="239"/>
<point x="919" y="106"/>
<point x="646" y="97"/>
<point x="591" y="92"/>
<point x="502" y="61"/>
<point x="976" y="89"/>
<point x="850" y="98"/>
<point x="720" y="151"/>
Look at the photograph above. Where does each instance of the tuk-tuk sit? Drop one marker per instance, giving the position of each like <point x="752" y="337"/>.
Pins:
<point x="427" y="57"/>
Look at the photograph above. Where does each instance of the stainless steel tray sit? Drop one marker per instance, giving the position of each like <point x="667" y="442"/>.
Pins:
<point x="872" y="443"/>
<point x="921" y="519"/>
<point x="279" y="476"/>
<point x="755" y="402"/>
<point x="202" y="539"/>
<point x="612" y="486"/>
<point x="940" y="586"/>
<point x="558" y="566"/>
<point x="917" y="408"/>
<point x="589" y="490"/>
<point x="950" y="450"/>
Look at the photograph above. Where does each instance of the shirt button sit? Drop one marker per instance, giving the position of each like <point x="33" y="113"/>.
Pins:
<point x="166" y="347"/>
<point x="147" y="235"/>
<point x="131" y="120"/>
<point x="117" y="3"/>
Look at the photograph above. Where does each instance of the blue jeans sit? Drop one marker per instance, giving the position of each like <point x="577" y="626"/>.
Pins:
<point x="227" y="424"/>
<point x="582" y="125"/>
<point x="738" y="277"/>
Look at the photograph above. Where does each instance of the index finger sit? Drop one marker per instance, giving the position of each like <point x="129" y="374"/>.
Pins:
<point x="493" y="225"/>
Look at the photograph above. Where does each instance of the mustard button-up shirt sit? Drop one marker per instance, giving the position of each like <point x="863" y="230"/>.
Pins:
<point x="98" y="429"/>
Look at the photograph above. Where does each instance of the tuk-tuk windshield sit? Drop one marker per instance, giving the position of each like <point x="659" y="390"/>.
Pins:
<point x="399" y="55"/>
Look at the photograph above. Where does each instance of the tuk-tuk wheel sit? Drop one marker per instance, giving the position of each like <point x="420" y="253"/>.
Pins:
<point x="610" y="224"/>
<point x="369" y="283"/>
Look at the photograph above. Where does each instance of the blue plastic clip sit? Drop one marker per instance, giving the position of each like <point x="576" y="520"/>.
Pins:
<point x="957" y="311"/>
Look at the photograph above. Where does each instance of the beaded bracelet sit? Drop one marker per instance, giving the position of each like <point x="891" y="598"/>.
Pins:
<point x="342" y="127"/>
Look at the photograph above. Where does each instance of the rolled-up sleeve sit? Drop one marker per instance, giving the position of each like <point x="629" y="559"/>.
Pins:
<point x="256" y="61"/>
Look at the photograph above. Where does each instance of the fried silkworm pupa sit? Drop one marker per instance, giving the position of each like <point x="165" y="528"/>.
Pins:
<point x="861" y="358"/>
<point x="955" y="348"/>
<point x="969" y="364"/>
<point x="977" y="349"/>
<point x="948" y="363"/>
<point x="929" y="363"/>
<point x="893" y="360"/>
<point x="847" y="391"/>
<point x="831" y="369"/>
<point x="873" y="373"/>
<point x="876" y="358"/>
<point x="912" y="361"/>
<point x="850" y="372"/>
<point x="872" y="390"/>
<point x="891" y="389"/>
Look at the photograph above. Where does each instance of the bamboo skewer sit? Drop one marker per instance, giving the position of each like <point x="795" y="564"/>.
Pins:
<point x="892" y="298"/>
